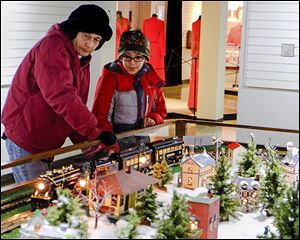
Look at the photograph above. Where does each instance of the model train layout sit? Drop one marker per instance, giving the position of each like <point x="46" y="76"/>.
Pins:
<point x="139" y="158"/>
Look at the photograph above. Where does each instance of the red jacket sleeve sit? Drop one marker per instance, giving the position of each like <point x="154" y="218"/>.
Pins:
<point x="159" y="112"/>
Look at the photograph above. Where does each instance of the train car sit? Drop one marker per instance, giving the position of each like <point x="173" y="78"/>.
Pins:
<point x="45" y="186"/>
<point x="106" y="166"/>
<point x="139" y="160"/>
<point x="170" y="149"/>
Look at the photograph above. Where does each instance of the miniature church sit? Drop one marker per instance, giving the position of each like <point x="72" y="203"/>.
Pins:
<point x="197" y="169"/>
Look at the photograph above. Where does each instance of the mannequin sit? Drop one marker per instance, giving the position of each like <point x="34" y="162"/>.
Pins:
<point x="122" y="25"/>
<point x="235" y="32"/>
<point x="154" y="30"/>
<point x="195" y="49"/>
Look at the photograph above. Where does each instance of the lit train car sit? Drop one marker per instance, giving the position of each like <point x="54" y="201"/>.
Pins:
<point x="46" y="185"/>
<point x="139" y="161"/>
<point x="170" y="149"/>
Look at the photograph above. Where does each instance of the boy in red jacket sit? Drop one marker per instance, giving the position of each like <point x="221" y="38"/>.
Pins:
<point x="129" y="93"/>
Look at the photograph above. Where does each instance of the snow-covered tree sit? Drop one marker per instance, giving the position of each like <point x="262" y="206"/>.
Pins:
<point x="222" y="184"/>
<point x="250" y="160"/>
<point x="130" y="231"/>
<point x="176" y="221"/>
<point x="286" y="216"/>
<point x="162" y="172"/>
<point x="68" y="211"/>
<point x="273" y="182"/>
<point x="94" y="196"/>
<point x="146" y="206"/>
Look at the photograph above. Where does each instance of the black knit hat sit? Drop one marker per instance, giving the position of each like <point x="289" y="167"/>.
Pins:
<point x="134" y="41"/>
<point x="88" y="18"/>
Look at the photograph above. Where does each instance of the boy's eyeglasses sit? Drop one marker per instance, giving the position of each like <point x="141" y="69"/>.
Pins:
<point x="136" y="59"/>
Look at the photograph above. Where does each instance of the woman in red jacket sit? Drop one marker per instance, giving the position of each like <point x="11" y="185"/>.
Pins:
<point x="129" y="93"/>
<point x="46" y="102"/>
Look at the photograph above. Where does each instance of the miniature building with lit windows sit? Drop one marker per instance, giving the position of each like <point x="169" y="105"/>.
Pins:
<point x="235" y="151"/>
<point x="205" y="211"/>
<point x="197" y="170"/>
<point x="291" y="164"/>
<point x="247" y="192"/>
<point x="124" y="187"/>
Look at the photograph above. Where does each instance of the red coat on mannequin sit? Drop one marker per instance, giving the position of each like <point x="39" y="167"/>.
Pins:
<point x="122" y="25"/>
<point x="195" y="49"/>
<point x="154" y="30"/>
<point x="234" y="35"/>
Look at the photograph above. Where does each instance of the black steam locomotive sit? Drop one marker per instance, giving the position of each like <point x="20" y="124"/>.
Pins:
<point x="139" y="157"/>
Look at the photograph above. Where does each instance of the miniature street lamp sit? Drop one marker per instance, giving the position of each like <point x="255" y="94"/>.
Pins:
<point x="141" y="158"/>
<point x="82" y="182"/>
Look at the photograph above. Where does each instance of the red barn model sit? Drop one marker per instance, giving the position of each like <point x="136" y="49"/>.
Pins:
<point x="205" y="212"/>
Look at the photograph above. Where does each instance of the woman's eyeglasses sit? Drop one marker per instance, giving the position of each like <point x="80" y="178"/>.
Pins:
<point x="136" y="59"/>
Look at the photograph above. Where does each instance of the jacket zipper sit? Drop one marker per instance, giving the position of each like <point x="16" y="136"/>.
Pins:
<point x="147" y="104"/>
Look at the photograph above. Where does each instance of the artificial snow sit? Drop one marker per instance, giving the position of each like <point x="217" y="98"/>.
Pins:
<point x="248" y="226"/>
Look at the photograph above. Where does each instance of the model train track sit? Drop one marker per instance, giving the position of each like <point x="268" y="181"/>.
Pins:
<point x="15" y="202"/>
<point x="15" y="221"/>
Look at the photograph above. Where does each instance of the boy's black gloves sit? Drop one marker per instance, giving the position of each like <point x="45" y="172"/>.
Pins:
<point x="107" y="138"/>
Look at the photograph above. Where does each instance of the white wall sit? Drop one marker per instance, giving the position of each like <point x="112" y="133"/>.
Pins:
<point x="24" y="22"/>
<point x="269" y="83"/>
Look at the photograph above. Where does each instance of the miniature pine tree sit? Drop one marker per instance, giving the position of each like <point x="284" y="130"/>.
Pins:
<point x="248" y="165"/>
<point x="223" y="185"/>
<point x="162" y="172"/>
<point x="130" y="231"/>
<point x="286" y="216"/>
<point x="68" y="210"/>
<point x="176" y="223"/>
<point x="146" y="206"/>
<point x="273" y="183"/>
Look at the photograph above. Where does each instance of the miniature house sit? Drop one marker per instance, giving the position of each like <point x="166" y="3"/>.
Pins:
<point x="124" y="187"/>
<point x="197" y="170"/>
<point x="235" y="151"/>
<point x="291" y="165"/>
<point x="205" y="212"/>
<point x="247" y="192"/>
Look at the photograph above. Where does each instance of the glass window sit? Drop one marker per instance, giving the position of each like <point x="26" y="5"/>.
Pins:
<point x="121" y="200"/>
<point x="190" y="181"/>
<point x="211" y="223"/>
<point x="114" y="198"/>
<point x="215" y="224"/>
